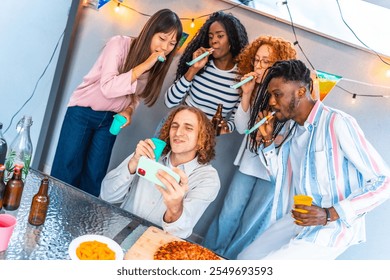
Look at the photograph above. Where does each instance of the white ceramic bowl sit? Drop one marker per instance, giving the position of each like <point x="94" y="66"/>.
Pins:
<point x="91" y="237"/>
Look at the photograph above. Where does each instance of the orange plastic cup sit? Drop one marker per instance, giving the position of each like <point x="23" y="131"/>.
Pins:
<point x="302" y="199"/>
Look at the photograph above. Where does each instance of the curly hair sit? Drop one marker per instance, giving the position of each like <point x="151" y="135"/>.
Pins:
<point x="236" y="32"/>
<point x="282" y="50"/>
<point x="206" y="137"/>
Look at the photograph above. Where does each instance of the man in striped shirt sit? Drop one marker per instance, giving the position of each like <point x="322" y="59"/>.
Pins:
<point x="326" y="156"/>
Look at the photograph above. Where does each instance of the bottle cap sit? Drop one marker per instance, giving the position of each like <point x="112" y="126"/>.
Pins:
<point x="18" y="167"/>
<point x="28" y="119"/>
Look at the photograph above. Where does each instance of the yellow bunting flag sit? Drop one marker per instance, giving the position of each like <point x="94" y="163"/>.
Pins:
<point x="315" y="94"/>
<point x="326" y="82"/>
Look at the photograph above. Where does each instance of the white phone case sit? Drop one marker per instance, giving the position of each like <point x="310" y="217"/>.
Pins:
<point x="147" y="169"/>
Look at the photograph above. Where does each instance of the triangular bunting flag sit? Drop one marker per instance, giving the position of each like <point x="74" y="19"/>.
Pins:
<point x="327" y="82"/>
<point x="95" y="4"/>
<point x="315" y="94"/>
<point x="102" y="2"/>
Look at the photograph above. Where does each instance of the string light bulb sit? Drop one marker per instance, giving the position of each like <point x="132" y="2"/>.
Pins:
<point x="192" y="23"/>
<point x="354" y="98"/>
<point x="118" y="7"/>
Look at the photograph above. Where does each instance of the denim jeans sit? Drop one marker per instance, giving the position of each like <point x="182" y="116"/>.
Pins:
<point x="84" y="148"/>
<point x="245" y="214"/>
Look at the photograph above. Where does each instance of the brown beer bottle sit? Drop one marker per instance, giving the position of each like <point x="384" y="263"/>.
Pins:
<point x="2" y="184"/>
<point x="40" y="204"/>
<point x="13" y="190"/>
<point x="217" y="119"/>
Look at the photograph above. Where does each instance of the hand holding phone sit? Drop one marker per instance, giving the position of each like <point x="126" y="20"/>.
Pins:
<point x="148" y="168"/>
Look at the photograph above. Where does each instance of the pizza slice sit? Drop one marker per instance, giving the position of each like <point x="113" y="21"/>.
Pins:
<point x="183" y="250"/>
<point x="171" y="251"/>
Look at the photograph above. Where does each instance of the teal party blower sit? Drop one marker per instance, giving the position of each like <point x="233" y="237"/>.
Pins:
<point x="235" y="86"/>
<point x="196" y="59"/>
<point x="256" y="126"/>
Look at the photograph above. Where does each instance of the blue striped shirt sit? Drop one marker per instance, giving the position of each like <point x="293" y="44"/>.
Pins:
<point x="340" y="168"/>
<point x="206" y="91"/>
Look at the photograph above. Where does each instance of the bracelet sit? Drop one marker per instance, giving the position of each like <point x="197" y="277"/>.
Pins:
<point x="268" y="141"/>
<point x="327" y="216"/>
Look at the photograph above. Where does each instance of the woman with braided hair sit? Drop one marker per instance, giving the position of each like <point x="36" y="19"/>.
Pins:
<point x="206" y="83"/>
<point x="246" y="209"/>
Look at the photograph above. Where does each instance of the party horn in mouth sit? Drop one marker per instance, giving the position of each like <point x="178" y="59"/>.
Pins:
<point x="160" y="58"/>
<point x="256" y="126"/>
<point x="196" y="59"/>
<point x="235" y="86"/>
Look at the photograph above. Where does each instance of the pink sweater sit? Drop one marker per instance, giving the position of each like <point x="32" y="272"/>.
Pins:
<point x="103" y="88"/>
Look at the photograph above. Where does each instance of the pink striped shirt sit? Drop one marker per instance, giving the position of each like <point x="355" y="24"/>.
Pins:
<point x="340" y="168"/>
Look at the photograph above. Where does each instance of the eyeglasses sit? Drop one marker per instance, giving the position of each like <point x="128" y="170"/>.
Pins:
<point x="264" y="63"/>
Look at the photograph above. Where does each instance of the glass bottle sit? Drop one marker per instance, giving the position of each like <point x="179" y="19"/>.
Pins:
<point x="13" y="190"/>
<point x="40" y="204"/>
<point x="3" y="145"/>
<point x="217" y="119"/>
<point x="2" y="185"/>
<point x="21" y="149"/>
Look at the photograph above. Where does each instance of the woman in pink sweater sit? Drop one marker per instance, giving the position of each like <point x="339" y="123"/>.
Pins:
<point x="115" y="84"/>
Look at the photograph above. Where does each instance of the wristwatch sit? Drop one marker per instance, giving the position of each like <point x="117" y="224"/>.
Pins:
<point x="327" y="216"/>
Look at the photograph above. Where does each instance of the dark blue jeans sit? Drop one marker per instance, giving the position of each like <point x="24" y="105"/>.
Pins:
<point x="84" y="148"/>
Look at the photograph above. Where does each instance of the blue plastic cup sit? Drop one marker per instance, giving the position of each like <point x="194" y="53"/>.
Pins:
<point x="118" y="121"/>
<point x="160" y="145"/>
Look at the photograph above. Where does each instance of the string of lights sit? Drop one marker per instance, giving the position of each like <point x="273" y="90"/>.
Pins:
<point x="296" y="42"/>
<point x="354" y="95"/>
<point x="354" y="34"/>
<point x="121" y="4"/>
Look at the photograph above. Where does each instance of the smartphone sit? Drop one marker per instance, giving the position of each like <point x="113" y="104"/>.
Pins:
<point x="147" y="169"/>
